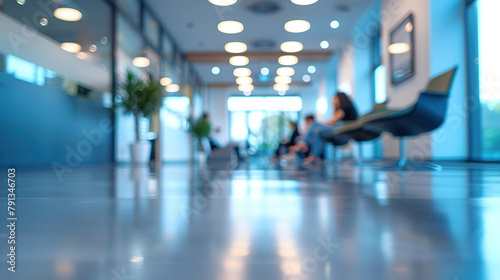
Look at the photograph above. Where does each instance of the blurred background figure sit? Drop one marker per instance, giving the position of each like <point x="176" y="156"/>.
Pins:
<point x="287" y="143"/>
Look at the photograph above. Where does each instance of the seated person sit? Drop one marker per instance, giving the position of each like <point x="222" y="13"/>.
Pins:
<point x="289" y="143"/>
<point x="344" y="111"/>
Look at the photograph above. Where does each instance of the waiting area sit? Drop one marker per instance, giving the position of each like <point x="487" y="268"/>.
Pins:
<point x="250" y="139"/>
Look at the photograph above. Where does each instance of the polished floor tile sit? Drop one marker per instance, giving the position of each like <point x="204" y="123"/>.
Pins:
<point x="258" y="221"/>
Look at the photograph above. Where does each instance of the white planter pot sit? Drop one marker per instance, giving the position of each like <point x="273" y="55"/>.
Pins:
<point x="140" y="152"/>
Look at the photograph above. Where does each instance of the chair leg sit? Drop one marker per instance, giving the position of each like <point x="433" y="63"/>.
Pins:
<point x="360" y="153"/>
<point x="409" y="165"/>
<point x="402" y="152"/>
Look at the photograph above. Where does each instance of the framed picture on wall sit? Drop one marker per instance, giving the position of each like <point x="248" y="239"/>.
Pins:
<point x="402" y="51"/>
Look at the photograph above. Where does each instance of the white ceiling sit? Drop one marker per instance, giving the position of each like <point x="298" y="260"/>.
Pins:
<point x="193" y="24"/>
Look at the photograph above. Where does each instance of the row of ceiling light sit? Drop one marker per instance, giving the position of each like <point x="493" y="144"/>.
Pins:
<point x="283" y="80"/>
<point x="73" y="15"/>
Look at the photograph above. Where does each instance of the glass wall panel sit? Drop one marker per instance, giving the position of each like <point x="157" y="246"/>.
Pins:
<point x="489" y="77"/>
<point x="84" y="44"/>
<point x="131" y="8"/>
<point x="151" y="29"/>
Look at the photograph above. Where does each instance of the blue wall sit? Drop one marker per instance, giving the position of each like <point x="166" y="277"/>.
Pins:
<point x="43" y="126"/>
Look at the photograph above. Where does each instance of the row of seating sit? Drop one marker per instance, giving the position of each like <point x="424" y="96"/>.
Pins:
<point x="425" y="115"/>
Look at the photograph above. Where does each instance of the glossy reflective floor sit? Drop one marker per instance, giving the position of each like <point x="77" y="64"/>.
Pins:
<point x="257" y="222"/>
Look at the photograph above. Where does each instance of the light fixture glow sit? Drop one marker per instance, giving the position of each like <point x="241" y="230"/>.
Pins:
<point x="244" y="88"/>
<point x="68" y="14"/>
<point x="291" y="47"/>
<point x="398" y="48"/>
<point x="306" y="78"/>
<point x="93" y="48"/>
<point x="282" y="80"/>
<point x="281" y="92"/>
<point x="71" y="47"/>
<point x="297" y="26"/>
<point x="285" y="71"/>
<point x="238" y="60"/>
<point x="44" y="22"/>
<point x="304" y="2"/>
<point x="324" y="44"/>
<point x="264" y="71"/>
<point x="21" y="2"/>
<point x="288" y="60"/>
<point x="165" y="81"/>
<point x="137" y="259"/>
<point x="281" y="87"/>
<point x="244" y="80"/>
<point x="409" y="27"/>
<point x="247" y="93"/>
<point x="335" y="24"/>
<point x="81" y="55"/>
<point x="222" y="2"/>
<point x="141" y="62"/>
<point x="235" y="47"/>
<point x="215" y="70"/>
<point x="311" y="69"/>
<point x="230" y="27"/>
<point x="173" y="88"/>
<point x="242" y="72"/>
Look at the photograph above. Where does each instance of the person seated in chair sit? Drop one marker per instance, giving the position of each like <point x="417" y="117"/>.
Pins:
<point x="290" y="142"/>
<point x="344" y="111"/>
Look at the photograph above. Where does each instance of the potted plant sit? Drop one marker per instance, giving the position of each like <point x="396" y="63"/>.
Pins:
<point x="201" y="131"/>
<point x="142" y="98"/>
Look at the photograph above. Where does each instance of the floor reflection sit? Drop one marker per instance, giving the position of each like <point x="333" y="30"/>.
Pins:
<point x="189" y="222"/>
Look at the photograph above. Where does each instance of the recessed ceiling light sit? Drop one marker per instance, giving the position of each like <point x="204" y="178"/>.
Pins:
<point x="247" y="93"/>
<point x="306" y="78"/>
<point x="248" y="87"/>
<point x="165" y="81"/>
<point x="235" y="47"/>
<point x="173" y="88"/>
<point x="324" y="44"/>
<point x="285" y="71"/>
<point x="281" y="87"/>
<point x="291" y="46"/>
<point x="222" y="2"/>
<point x="104" y="40"/>
<point x="335" y="24"/>
<point x="288" y="60"/>
<point x="215" y="70"/>
<point x="297" y="26"/>
<point x="409" y="27"/>
<point x="141" y="62"/>
<point x="281" y="92"/>
<point x="81" y="55"/>
<point x="238" y="60"/>
<point x="264" y="71"/>
<point x="304" y="2"/>
<point x="68" y="14"/>
<point x="242" y="72"/>
<point x="44" y="22"/>
<point x="398" y="48"/>
<point x="93" y="48"/>
<point x="283" y="80"/>
<point x="71" y="47"/>
<point x="244" y="80"/>
<point x="311" y="69"/>
<point x="21" y="2"/>
<point x="230" y="27"/>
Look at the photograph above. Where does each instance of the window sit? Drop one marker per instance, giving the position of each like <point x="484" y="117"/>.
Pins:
<point x="484" y="79"/>
<point x="379" y="80"/>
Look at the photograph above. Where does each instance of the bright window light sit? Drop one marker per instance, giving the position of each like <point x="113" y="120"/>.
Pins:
<point x="271" y="103"/>
<point x="380" y="84"/>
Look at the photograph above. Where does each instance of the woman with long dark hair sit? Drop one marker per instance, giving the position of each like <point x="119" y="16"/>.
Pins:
<point x="344" y="111"/>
